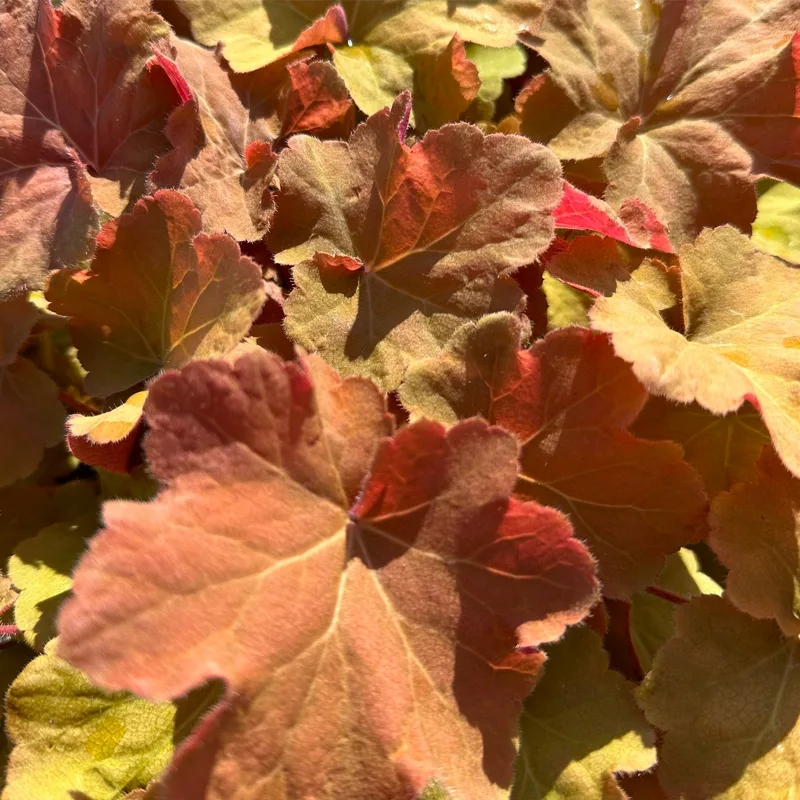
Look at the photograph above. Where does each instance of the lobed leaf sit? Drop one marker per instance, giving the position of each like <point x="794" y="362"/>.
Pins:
<point x="419" y="597"/>
<point x="686" y="103"/>
<point x="105" y="119"/>
<point x="725" y="690"/>
<point x="396" y="246"/>
<point x="569" y="400"/>
<point x="580" y="726"/>
<point x="740" y="312"/>
<point x="159" y="293"/>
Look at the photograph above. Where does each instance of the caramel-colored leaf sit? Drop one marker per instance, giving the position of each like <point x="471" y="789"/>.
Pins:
<point x="686" y="102"/>
<point x="723" y="449"/>
<point x="580" y="726"/>
<point x="741" y="311"/>
<point x="754" y="532"/>
<point x="387" y="640"/>
<point x="569" y="400"/>
<point x="726" y="691"/>
<point x="419" y="238"/>
<point x="159" y="293"/>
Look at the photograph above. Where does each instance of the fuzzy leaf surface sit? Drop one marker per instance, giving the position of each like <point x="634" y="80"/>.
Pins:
<point x="397" y="245"/>
<point x="76" y="93"/>
<point x="755" y="532"/>
<point x="741" y="310"/>
<point x="727" y="693"/>
<point x="159" y="293"/>
<point x="569" y="400"/>
<point x="70" y="737"/>
<point x="108" y="439"/>
<point x="579" y="726"/>
<point x="686" y="102"/>
<point x="415" y="599"/>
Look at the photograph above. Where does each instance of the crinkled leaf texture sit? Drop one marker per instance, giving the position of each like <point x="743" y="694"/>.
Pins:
<point x="396" y="246"/>
<point x="77" y="94"/>
<point x="384" y="636"/>
<point x="72" y="739"/>
<point x="741" y="311"/>
<point x="686" y="102"/>
<point x="569" y="400"/>
<point x="580" y="726"/>
<point x="727" y="693"/>
<point x="159" y="292"/>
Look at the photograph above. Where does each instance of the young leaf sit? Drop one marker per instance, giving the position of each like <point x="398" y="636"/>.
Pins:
<point x="741" y="311"/>
<point x="419" y="238"/>
<point x="494" y="65"/>
<point x="579" y="726"/>
<point x="632" y="500"/>
<point x="377" y="640"/>
<point x="726" y="692"/>
<point x="686" y="102"/>
<point x="754" y="532"/>
<point x="723" y="449"/>
<point x="70" y="737"/>
<point x="107" y="440"/>
<point x="635" y="224"/>
<point x="159" y="293"/>
<point x="75" y="93"/>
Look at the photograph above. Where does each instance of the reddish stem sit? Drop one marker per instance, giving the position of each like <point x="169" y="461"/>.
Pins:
<point x="9" y="630"/>
<point x="665" y="595"/>
<point x="76" y="405"/>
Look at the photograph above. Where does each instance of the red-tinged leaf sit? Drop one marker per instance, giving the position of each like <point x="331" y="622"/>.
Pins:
<point x="380" y="644"/>
<point x="569" y="400"/>
<point x="754" y="532"/>
<point x="437" y="228"/>
<point x="221" y="155"/>
<point x="77" y="91"/>
<point x="159" y="293"/>
<point x="445" y="84"/>
<point x="741" y="311"/>
<point x="107" y="440"/>
<point x="723" y="449"/>
<point x="635" y="224"/>
<point x="686" y="102"/>
<point x="726" y="692"/>
<point x="317" y="102"/>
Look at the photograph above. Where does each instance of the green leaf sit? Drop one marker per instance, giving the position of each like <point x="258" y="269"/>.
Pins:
<point x="495" y="64"/>
<point x="579" y="726"/>
<point x="776" y="229"/>
<point x="72" y="737"/>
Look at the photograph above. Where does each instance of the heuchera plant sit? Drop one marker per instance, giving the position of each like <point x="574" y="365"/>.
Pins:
<point x="400" y="399"/>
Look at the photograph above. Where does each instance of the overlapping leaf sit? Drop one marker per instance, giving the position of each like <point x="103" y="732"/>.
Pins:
<point x="379" y="643"/>
<point x="723" y="449"/>
<point x="223" y="158"/>
<point x="397" y="245"/>
<point x="726" y="691"/>
<point x="569" y="400"/>
<point x="254" y="33"/>
<point x="31" y="417"/>
<point x="72" y="739"/>
<point x="76" y="94"/>
<point x="776" y="229"/>
<point x="741" y="311"/>
<point x="159" y="292"/>
<point x="686" y="102"/>
<point x="754" y="531"/>
<point x="580" y="726"/>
